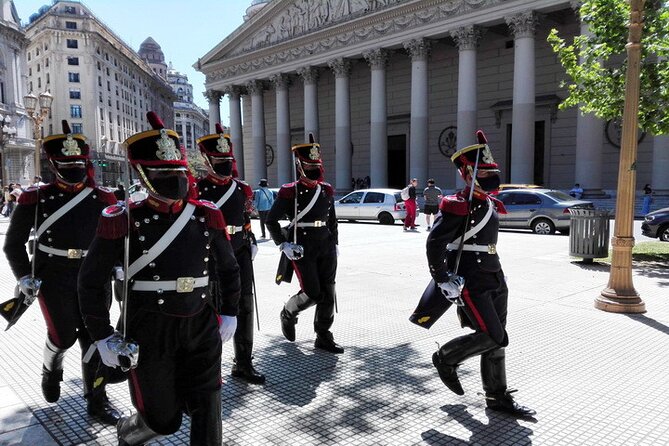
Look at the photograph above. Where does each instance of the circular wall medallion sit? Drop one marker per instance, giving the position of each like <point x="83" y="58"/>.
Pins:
<point x="448" y="141"/>
<point x="614" y="132"/>
<point x="269" y="155"/>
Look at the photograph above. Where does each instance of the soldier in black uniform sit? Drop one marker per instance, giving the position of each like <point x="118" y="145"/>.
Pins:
<point x="234" y="198"/>
<point x="170" y="314"/>
<point x="477" y="287"/>
<point x="66" y="212"/>
<point x="313" y="256"/>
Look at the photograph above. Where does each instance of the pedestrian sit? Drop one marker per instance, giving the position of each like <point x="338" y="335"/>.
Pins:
<point x="647" y="199"/>
<point x="171" y="315"/>
<point x="119" y="193"/>
<point x="263" y="201"/>
<point x="432" y="195"/>
<point x="308" y="245"/>
<point x="37" y="181"/>
<point x="64" y="216"/>
<point x="233" y="197"/>
<point x="576" y="191"/>
<point x="410" y="205"/>
<point x="477" y="284"/>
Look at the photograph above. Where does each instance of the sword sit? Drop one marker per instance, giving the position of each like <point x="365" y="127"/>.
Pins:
<point x="255" y="300"/>
<point x="469" y="210"/>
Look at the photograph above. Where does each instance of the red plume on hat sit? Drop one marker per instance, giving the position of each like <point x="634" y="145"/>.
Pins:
<point x="154" y="120"/>
<point x="480" y="136"/>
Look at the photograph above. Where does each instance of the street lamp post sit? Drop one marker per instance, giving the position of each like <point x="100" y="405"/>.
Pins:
<point x="6" y="133"/>
<point x="619" y="296"/>
<point x="31" y="102"/>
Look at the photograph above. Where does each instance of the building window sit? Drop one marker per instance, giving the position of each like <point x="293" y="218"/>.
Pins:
<point x="71" y="25"/>
<point x="77" y="128"/>
<point x="72" y="43"/>
<point x="75" y="111"/>
<point x="39" y="82"/>
<point x="46" y="62"/>
<point x="70" y="9"/>
<point x="73" y="77"/>
<point x="48" y="78"/>
<point x="73" y="61"/>
<point x="2" y="92"/>
<point x="75" y="93"/>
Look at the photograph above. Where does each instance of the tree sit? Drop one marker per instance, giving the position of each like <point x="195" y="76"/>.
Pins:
<point x="596" y="63"/>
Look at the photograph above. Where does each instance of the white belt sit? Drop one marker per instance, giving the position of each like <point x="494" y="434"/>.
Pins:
<point x="311" y="224"/>
<point x="234" y="229"/>
<point x="490" y="249"/>
<point x="180" y="285"/>
<point x="71" y="253"/>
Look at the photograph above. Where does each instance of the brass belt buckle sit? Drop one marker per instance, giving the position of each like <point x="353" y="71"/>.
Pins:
<point x="185" y="284"/>
<point x="492" y="248"/>
<point x="231" y="230"/>
<point x="318" y="223"/>
<point x="74" y="253"/>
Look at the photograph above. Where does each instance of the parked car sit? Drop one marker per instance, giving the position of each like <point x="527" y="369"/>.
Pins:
<point x="656" y="224"/>
<point x="384" y="205"/>
<point x="518" y="186"/>
<point x="541" y="210"/>
<point x="254" y="211"/>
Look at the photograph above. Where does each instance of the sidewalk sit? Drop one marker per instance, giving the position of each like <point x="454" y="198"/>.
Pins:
<point x="594" y="378"/>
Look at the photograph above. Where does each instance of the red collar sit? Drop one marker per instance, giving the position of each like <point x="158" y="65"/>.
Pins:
<point x="219" y="180"/>
<point x="480" y="195"/>
<point x="161" y="206"/>
<point x="310" y="184"/>
<point x="69" y="187"/>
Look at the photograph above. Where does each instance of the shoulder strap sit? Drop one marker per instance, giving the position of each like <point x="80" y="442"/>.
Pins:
<point x="265" y="193"/>
<point x="62" y="211"/>
<point x="311" y="204"/>
<point x="227" y="194"/>
<point x="484" y="221"/>
<point x="163" y="243"/>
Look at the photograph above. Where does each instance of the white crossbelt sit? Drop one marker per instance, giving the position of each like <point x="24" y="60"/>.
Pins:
<point x="304" y="211"/>
<point x="182" y="284"/>
<point x="69" y="253"/>
<point x="234" y="229"/>
<point x="490" y="249"/>
<point x="62" y="211"/>
<point x="311" y="224"/>
<point x="227" y="195"/>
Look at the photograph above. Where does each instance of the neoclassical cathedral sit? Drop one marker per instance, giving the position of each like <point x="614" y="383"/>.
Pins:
<point x="391" y="88"/>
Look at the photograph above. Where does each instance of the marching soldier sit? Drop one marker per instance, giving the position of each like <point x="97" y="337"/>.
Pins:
<point x="308" y="245"/>
<point x="234" y="198"/>
<point x="463" y="261"/>
<point x="170" y="315"/>
<point x="64" y="214"/>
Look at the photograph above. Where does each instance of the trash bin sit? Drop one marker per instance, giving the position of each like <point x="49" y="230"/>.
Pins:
<point x="589" y="234"/>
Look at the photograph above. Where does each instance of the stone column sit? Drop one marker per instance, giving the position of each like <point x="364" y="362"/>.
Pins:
<point x="466" y="38"/>
<point x="310" y="77"/>
<point x="343" y="163"/>
<point x="283" y="156"/>
<point x="214" y="98"/>
<point x="236" y="132"/>
<point x="522" y="136"/>
<point x="255" y="90"/>
<point x="660" y="179"/>
<point x="419" y="50"/>
<point x="378" y="121"/>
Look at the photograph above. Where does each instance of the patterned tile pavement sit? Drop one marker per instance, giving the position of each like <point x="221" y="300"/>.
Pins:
<point x="594" y="378"/>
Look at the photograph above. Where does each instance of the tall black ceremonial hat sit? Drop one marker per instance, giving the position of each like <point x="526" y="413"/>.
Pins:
<point x="216" y="145"/>
<point x="159" y="147"/>
<point x="66" y="146"/>
<point x="309" y="153"/>
<point x="467" y="156"/>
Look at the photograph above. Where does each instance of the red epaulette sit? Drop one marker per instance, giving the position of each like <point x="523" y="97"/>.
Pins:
<point x="213" y="215"/>
<point x="287" y="191"/>
<point x="29" y="196"/>
<point x="452" y="204"/>
<point x="501" y="209"/>
<point x="113" y="224"/>
<point x="329" y="190"/>
<point x="106" y="195"/>
<point x="246" y="188"/>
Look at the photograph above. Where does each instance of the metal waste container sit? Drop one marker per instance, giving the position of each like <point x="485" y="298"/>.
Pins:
<point x="589" y="234"/>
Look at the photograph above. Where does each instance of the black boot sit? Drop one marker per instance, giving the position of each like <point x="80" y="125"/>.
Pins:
<point x="325" y="341"/>
<point x="493" y="376"/>
<point x="133" y="431"/>
<point x="243" y="344"/>
<point x="288" y="315"/>
<point x="288" y="322"/>
<point x="52" y="371"/>
<point x="95" y="376"/>
<point x="449" y="357"/>
<point x="205" y="419"/>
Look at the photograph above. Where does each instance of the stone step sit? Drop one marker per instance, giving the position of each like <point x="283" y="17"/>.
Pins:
<point x="610" y="203"/>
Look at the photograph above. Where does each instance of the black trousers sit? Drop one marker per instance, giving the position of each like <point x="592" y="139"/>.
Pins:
<point x="244" y="332"/>
<point x="179" y="365"/>
<point x="263" y="218"/>
<point x="486" y="296"/>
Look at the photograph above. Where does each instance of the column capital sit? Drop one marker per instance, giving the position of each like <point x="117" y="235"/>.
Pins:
<point x="308" y="74"/>
<point x="418" y="49"/>
<point x="280" y="81"/>
<point x="255" y="87"/>
<point x="467" y="37"/>
<point x="233" y="91"/>
<point x="213" y="96"/>
<point x="376" y="58"/>
<point x="523" y="24"/>
<point x="340" y="66"/>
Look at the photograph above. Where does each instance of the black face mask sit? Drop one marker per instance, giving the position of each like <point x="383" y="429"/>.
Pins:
<point x="489" y="184"/>
<point x="313" y="174"/>
<point x="173" y="187"/>
<point x="223" y="169"/>
<point x="73" y="175"/>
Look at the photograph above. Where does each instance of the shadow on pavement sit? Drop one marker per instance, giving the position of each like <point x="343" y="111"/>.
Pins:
<point x="591" y="266"/>
<point x="652" y="323"/>
<point x="500" y="429"/>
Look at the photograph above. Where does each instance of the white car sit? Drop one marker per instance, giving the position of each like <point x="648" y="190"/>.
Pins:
<point x="383" y="205"/>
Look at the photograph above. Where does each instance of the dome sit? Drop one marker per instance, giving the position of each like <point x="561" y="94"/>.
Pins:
<point x="150" y="51"/>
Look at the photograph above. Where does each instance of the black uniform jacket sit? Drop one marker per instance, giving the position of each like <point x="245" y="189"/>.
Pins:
<point x="323" y="212"/>
<point x="187" y="256"/>
<point x="74" y="230"/>
<point x="448" y="228"/>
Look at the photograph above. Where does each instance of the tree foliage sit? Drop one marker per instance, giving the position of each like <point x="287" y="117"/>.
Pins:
<point x="596" y="63"/>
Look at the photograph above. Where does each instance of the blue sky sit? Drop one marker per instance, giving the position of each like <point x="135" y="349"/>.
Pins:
<point x="185" y="30"/>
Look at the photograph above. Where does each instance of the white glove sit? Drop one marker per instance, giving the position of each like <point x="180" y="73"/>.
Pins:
<point x="118" y="273"/>
<point x="254" y="251"/>
<point x="116" y="351"/>
<point x="227" y="327"/>
<point x="292" y="250"/>
<point x="452" y="290"/>
<point x="29" y="285"/>
<point x="337" y="250"/>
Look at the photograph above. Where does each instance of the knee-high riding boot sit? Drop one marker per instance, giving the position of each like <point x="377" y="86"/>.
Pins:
<point x="205" y="419"/>
<point x="52" y="371"/>
<point x="133" y="431"/>
<point x="323" y="320"/>
<point x="243" y="345"/>
<point x="300" y="301"/>
<point x="493" y="376"/>
<point x="94" y="376"/>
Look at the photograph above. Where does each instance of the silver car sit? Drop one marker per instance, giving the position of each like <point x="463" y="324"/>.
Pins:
<point x="384" y="205"/>
<point x="541" y="210"/>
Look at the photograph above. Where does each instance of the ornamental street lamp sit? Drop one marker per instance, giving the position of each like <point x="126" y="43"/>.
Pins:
<point x="6" y="133"/>
<point x="31" y="102"/>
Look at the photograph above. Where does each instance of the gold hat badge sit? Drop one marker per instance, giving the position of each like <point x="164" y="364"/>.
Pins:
<point x="223" y="145"/>
<point x="487" y="155"/>
<point x="167" y="150"/>
<point x="70" y="147"/>
<point x="314" y="153"/>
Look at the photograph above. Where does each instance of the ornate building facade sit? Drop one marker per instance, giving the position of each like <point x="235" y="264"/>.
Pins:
<point x="391" y="88"/>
